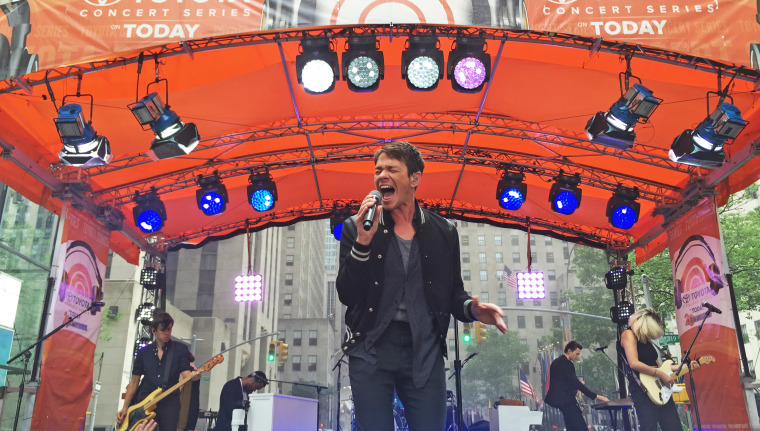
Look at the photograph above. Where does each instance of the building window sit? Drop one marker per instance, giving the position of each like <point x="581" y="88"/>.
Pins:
<point x="524" y="341"/>
<point x="539" y="321"/>
<point x="481" y="257"/>
<point x="463" y="223"/>
<point x="751" y="364"/>
<point x="465" y="257"/>
<point x="520" y="322"/>
<point x="547" y="240"/>
<point x="286" y="316"/>
<point x="500" y="276"/>
<point x="515" y="257"/>
<point x="296" y="360"/>
<point x="549" y="257"/>
<point x="556" y="322"/>
<point x="536" y="302"/>
<point x="553" y="299"/>
<point x="451" y="342"/>
<point x="483" y="296"/>
<point x="466" y="275"/>
<point x="281" y="335"/>
<point x="533" y="257"/>
<point x="483" y="275"/>
<point x="297" y="337"/>
<point x="757" y="329"/>
<point x="289" y="260"/>
<point x="502" y="299"/>
<point x="551" y="275"/>
<point x="519" y="302"/>
<point x="499" y="257"/>
<point x="515" y="239"/>
<point x="288" y="279"/>
<point x="288" y="297"/>
<point x="312" y="362"/>
<point x="497" y="240"/>
<point x="312" y="337"/>
<point x="745" y="337"/>
<point x="579" y="290"/>
<point x="480" y="224"/>
<point x="465" y="240"/>
<point x="290" y="242"/>
<point x="532" y="239"/>
<point x="481" y="240"/>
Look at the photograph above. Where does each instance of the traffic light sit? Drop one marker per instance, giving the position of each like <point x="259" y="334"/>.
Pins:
<point x="271" y="354"/>
<point x="282" y="353"/>
<point x="480" y="332"/>
<point x="466" y="333"/>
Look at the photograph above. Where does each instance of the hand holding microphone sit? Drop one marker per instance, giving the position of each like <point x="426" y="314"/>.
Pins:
<point x="369" y="217"/>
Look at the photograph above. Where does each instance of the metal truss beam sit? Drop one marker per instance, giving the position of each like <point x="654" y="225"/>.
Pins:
<point x="594" y="237"/>
<point x="194" y="47"/>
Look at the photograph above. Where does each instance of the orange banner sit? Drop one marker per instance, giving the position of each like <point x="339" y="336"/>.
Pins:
<point x="698" y="268"/>
<point x="51" y="33"/>
<point x="67" y="358"/>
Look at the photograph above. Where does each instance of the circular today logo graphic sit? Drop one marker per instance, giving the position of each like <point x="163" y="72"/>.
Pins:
<point x="101" y="3"/>
<point x="562" y="2"/>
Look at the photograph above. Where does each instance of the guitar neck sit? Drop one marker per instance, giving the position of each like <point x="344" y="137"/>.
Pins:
<point x="166" y="393"/>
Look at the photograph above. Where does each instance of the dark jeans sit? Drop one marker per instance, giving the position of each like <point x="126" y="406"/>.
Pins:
<point x="167" y="413"/>
<point x="573" y="417"/>
<point x="372" y="386"/>
<point x="650" y="414"/>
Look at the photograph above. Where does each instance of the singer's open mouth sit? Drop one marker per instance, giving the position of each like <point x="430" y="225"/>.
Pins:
<point x="387" y="192"/>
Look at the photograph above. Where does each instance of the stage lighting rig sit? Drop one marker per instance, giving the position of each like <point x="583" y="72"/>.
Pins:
<point x="149" y="212"/>
<point x="173" y="137"/>
<point x="363" y="63"/>
<point x="614" y="128"/>
<point x="530" y="285"/>
<point x="317" y="65"/>
<point x="145" y="312"/>
<point x="422" y="63"/>
<point x="703" y="146"/>
<point x="511" y="190"/>
<point x="212" y="195"/>
<point x="622" y="208"/>
<point x="469" y="65"/>
<point x="82" y="146"/>
<point x="617" y="278"/>
<point x="262" y="193"/>
<point x="249" y="288"/>
<point x="564" y="195"/>
<point x="621" y="312"/>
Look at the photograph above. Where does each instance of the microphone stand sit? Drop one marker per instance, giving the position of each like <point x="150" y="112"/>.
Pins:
<point x="458" y="379"/>
<point x="26" y="353"/>
<point x="337" y="365"/>
<point x="687" y="361"/>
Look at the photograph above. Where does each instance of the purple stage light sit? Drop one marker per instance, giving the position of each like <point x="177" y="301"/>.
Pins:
<point x="470" y="72"/>
<point x="248" y="288"/>
<point x="530" y="285"/>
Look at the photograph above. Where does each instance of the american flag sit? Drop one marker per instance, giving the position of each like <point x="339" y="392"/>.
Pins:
<point x="525" y="386"/>
<point x="509" y="277"/>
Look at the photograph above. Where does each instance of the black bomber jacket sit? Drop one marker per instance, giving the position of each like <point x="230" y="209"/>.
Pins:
<point x="361" y="274"/>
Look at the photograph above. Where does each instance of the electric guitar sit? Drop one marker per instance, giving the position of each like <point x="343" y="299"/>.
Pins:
<point x="144" y="410"/>
<point x="657" y="391"/>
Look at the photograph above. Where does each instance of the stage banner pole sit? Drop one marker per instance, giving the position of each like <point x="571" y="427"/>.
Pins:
<point x="68" y="355"/>
<point x="697" y="259"/>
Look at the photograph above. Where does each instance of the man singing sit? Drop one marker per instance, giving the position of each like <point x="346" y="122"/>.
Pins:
<point x="401" y="283"/>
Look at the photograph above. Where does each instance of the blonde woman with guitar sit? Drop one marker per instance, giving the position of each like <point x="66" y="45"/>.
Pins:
<point x="645" y="326"/>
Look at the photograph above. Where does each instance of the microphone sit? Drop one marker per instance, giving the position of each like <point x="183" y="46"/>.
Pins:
<point x="600" y="348"/>
<point x="711" y="307"/>
<point x="469" y="357"/>
<point x="370" y="216"/>
<point x="98" y="303"/>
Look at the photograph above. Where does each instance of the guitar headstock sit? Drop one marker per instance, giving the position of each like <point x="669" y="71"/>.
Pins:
<point x="705" y="359"/>
<point x="211" y="363"/>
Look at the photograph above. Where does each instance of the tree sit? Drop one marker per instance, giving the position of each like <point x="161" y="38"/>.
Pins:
<point x="493" y="372"/>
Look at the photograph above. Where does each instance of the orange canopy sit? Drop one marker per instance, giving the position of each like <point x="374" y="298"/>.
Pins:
<point x="252" y="115"/>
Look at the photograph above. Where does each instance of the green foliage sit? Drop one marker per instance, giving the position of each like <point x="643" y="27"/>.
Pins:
<point x="493" y="372"/>
<point x="742" y="242"/>
<point x="107" y="323"/>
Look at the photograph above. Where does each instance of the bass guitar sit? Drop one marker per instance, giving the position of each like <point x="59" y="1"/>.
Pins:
<point x="144" y="410"/>
<point x="658" y="392"/>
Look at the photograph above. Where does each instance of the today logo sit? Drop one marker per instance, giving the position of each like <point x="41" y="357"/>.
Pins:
<point x="101" y="3"/>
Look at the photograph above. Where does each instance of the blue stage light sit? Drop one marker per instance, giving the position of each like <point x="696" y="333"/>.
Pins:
<point x="262" y="193"/>
<point x="173" y="137"/>
<point x="565" y="196"/>
<point x="615" y="128"/>
<point x="211" y="197"/>
<point x="149" y="212"/>
<point x="703" y="146"/>
<point x="622" y="208"/>
<point x="511" y="191"/>
<point x="82" y="146"/>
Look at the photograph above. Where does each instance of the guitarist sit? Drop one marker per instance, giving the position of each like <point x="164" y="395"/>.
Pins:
<point x="162" y="364"/>
<point x="645" y="326"/>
